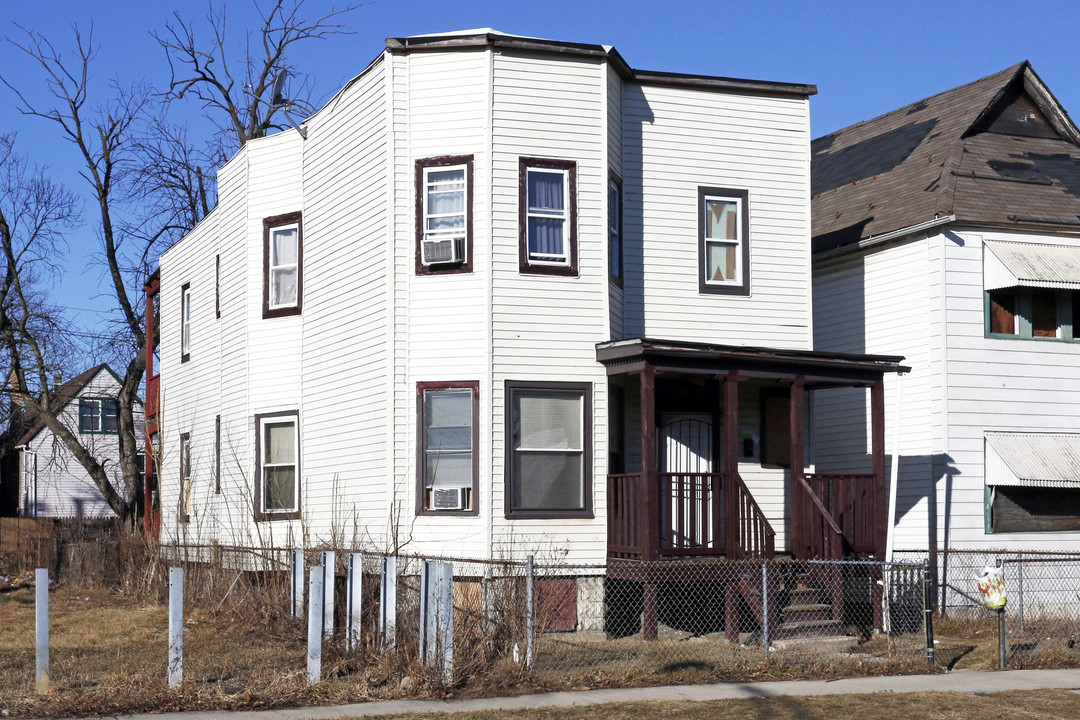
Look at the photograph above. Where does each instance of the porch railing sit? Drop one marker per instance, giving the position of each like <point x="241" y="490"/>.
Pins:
<point x="814" y="532"/>
<point x="851" y="501"/>
<point x="693" y="517"/>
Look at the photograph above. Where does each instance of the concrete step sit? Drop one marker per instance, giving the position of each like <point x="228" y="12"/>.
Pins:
<point x="810" y="628"/>
<point x="808" y="612"/>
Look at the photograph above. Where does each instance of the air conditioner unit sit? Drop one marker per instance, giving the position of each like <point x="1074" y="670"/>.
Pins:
<point x="449" y="498"/>
<point x="439" y="250"/>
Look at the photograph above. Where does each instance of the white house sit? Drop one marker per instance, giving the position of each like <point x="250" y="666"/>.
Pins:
<point x="948" y="231"/>
<point x="506" y="295"/>
<point x="51" y="482"/>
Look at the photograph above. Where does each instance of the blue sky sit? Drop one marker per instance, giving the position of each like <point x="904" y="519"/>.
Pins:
<point x="865" y="57"/>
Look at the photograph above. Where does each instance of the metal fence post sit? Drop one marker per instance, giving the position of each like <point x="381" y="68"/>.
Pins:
<point x="445" y="618"/>
<point x="928" y="611"/>
<point x="1020" y="574"/>
<point x="315" y="626"/>
<point x="176" y="627"/>
<point x="765" y="608"/>
<point x="530" y="609"/>
<point x="354" y="600"/>
<point x="328" y="568"/>
<point x="1001" y="625"/>
<point x="388" y="602"/>
<point x="425" y="636"/>
<point x="41" y="629"/>
<point x="296" y="568"/>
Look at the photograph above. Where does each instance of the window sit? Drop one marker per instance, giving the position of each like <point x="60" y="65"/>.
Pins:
<point x="547" y="216"/>
<point x="185" y="477"/>
<point x="444" y="215"/>
<point x="615" y="242"/>
<point x="1032" y="313"/>
<point x="283" y="263"/>
<point x="277" y="454"/>
<point x="723" y="227"/>
<point x="185" y="323"/>
<point x="1032" y="509"/>
<point x="447" y="464"/>
<point x="548" y="449"/>
<point x="98" y="415"/>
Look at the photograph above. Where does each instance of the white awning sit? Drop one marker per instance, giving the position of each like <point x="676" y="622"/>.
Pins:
<point x="1014" y="264"/>
<point x="1032" y="459"/>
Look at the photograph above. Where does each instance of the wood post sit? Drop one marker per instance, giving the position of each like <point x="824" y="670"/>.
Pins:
<point x="796" y="494"/>
<point x="877" y="440"/>
<point x="649" y="519"/>
<point x="731" y="463"/>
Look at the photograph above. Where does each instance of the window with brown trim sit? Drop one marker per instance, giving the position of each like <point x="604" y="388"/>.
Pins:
<point x="283" y="265"/>
<point x="724" y="237"/>
<point x="547" y="216"/>
<point x="185" y="322"/>
<point x="444" y="214"/>
<point x="548" y="450"/>
<point x="277" y="466"/>
<point x="615" y="230"/>
<point x="447" y="462"/>
<point x="185" y="477"/>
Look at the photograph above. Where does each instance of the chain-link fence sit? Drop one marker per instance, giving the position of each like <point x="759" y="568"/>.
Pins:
<point x="1042" y="615"/>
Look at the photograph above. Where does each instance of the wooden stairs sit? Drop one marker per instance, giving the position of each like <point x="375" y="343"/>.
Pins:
<point x="801" y="603"/>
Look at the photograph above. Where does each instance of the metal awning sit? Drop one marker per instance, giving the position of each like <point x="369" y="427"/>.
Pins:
<point x="1015" y="264"/>
<point x="1032" y="459"/>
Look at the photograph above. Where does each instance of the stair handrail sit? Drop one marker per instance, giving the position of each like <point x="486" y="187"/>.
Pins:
<point x="757" y="516"/>
<point x="833" y="545"/>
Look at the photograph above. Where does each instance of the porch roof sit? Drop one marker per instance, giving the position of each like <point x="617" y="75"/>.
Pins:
<point x="819" y="368"/>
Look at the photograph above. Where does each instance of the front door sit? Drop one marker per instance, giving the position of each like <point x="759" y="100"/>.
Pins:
<point x="686" y="460"/>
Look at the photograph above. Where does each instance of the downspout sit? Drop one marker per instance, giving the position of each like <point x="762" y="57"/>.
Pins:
<point x="890" y="535"/>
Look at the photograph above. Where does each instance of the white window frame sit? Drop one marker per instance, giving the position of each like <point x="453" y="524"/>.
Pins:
<point x="100" y="403"/>
<point x="463" y="232"/>
<point x="737" y="243"/>
<point x="552" y="260"/>
<point x="288" y="418"/>
<point x="185" y="323"/>
<point x="273" y="267"/>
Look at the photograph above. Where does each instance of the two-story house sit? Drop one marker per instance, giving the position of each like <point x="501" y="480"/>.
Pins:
<point x="45" y="479"/>
<point x="502" y="296"/>
<point x="948" y="231"/>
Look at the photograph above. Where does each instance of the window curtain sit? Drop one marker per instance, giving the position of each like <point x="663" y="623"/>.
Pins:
<point x="446" y="200"/>
<point x="284" y="265"/>
<point x="280" y="470"/>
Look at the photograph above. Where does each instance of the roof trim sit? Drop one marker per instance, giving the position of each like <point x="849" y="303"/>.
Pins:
<point x="473" y="41"/>
<point x="882" y="238"/>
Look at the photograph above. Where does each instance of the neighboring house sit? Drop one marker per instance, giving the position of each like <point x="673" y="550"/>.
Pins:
<point x="503" y="296"/>
<point x="51" y="482"/>
<point x="948" y="231"/>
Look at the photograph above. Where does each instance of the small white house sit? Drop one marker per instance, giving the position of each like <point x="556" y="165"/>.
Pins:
<point x="51" y="482"/>
<point x="948" y="231"/>
<point x="500" y="296"/>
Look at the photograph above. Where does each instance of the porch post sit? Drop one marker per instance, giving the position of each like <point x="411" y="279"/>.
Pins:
<point x="731" y="464"/>
<point x="649" y="519"/>
<point x="877" y="435"/>
<point x="797" y="498"/>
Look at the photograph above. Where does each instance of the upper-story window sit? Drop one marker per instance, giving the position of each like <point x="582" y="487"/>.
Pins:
<point x="444" y="214"/>
<point x="1020" y="300"/>
<point x="98" y="415"/>
<point x="615" y="240"/>
<point x="547" y="216"/>
<point x="723" y="230"/>
<point x="283" y="265"/>
<point x="185" y="323"/>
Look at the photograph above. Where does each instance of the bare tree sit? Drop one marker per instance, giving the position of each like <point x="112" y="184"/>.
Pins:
<point x="230" y="92"/>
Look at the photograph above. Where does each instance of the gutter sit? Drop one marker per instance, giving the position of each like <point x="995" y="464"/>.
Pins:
<point x="875" y="240"/>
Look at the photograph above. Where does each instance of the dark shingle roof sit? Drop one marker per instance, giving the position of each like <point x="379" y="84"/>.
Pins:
<point x="65" y="394"/>
<point x="998" y="151"/>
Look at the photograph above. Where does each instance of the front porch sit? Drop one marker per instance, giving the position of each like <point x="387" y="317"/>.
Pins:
<point x="682" y="500"/>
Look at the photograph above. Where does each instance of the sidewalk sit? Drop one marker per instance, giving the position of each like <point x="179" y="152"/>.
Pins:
<point x="959" y="681"/>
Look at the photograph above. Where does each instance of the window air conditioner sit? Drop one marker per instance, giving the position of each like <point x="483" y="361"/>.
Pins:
<point x="442" y="250"/>
<point x="449" y="498"/>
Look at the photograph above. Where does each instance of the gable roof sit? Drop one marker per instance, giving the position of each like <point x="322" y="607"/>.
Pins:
<point x="65" y="394"/>
<point x="999" y="151"/>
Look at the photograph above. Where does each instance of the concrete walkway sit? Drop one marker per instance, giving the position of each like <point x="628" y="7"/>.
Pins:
<point x="959" y="681"/>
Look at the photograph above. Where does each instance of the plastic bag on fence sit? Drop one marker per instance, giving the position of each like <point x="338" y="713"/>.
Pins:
<point x="992" y="587"/>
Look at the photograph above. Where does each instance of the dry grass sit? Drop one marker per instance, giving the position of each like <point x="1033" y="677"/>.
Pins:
<point x="1042" y="704"/>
